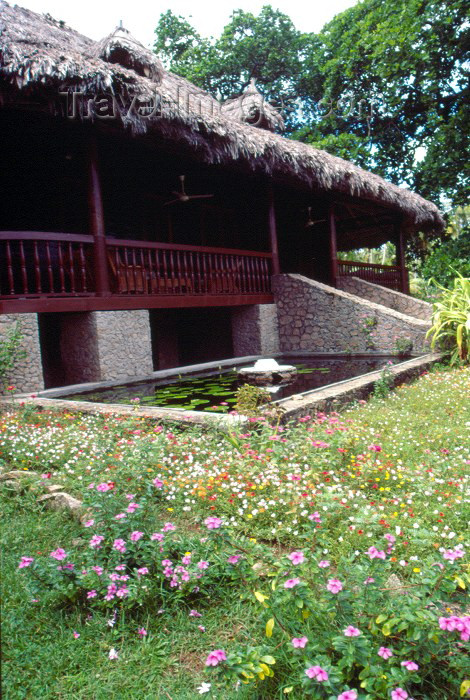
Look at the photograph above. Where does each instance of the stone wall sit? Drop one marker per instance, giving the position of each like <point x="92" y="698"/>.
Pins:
<point x="27" y="374"/>
<point x="388" y="297"/>
<point x="315" y="317"/>
<point x="124" y="344"/>
<point x="255" y="330"/>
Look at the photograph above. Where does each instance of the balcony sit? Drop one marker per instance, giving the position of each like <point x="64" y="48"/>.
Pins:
<point x="390" y="276"/>
<point x="52" y="272"/>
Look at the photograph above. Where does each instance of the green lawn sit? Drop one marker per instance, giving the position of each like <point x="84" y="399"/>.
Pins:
<point x="395" y="466"/>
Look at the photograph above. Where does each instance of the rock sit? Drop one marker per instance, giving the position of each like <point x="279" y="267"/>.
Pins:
<point x="53" y="488"/>
<point x="394" y="585"/>
<point x="12" y="484"/>
<point x="16" y="474"/>
<point x="60" y="500"/>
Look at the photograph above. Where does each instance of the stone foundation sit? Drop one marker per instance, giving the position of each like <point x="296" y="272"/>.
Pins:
<point x="255" y="330"/>
<point x="79" y="348"/>
<point x="387" y="297"/>
<point x="27" y="374"/>
<point x="318" y="318"/>
<point x="124" y="344"/>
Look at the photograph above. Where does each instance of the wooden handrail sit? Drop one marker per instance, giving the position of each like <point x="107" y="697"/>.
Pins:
<point x="44" y="236"/>
<point x="156" y="245"/>
<point x="352" y="263"/>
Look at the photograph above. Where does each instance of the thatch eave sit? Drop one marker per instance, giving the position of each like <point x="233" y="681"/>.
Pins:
<point x="40" y="57"/>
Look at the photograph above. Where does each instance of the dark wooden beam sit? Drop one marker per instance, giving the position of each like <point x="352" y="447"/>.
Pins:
<point x="400" y="254"/>
<point x="121" y="302"/>
<point x="273" y="231"/>
<point x="96" y="221"/>
<point x="333" y="246"/>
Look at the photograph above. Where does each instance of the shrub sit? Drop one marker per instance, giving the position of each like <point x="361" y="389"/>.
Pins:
<point x="11" y="352"/>
<point x="451" y="320"/>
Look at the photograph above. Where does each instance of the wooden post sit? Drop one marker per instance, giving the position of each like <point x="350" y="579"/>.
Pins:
<point x="333" y="247"/>
<point x="400" y="255"/>
<point x="96" y="222"/>
<point x="273" y="231"/>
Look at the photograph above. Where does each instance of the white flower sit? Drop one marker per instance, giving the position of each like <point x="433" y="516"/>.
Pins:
<point x="113" y="654"/>
<point x="204" y="688"/>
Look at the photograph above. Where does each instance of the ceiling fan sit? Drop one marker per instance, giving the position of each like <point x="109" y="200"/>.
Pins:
<point x="310" y="221"/>
<point x="181" y="195"/>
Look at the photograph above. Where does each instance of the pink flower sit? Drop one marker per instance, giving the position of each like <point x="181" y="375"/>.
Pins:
<point x="136" y="535"/>
<point x="374" y="553"/>
<point x="324" y="564"/>
<point x="316" y="672"/>
<point x="348" y="695"/>
<point x="351" y="631"/>
<point x="119" y="545"/>
<point x="233" y="559"/>
<point x="213" y="523"/>
<point x="334" y="585"/>
<point x="96" y="541"/>
<point x="58" y="554"/>
<point x="89" y="523"/>
<point x="157" y="536"/>
<point x="203" y="565"/>
<point x="410" y="665"/>
<point x="97" y="569"/>
<point x="25" y="561"/>
<point x="296" y="557"/>
<point x="390" y="538"/>
<point x="142" y="632"/>
<point x="385" y="652"/>
<point x="122" y="592"/>
<point x="399" y="694"/>
<point x="215" y="657"/>
<point x="132" y="507"/>
<point x="113" y="654"/>
<point x="375" y="448"/>
<point x="291" y="582"/>
<point x="315" y="517"/>
<point x="91" y="594"/>
<point x="299" y="642"/>
<point x="194" y="613"/>
<point x="168" y="527"/>
<point x="75" y="634"/>
<point x="120" y="516"/>
<point x="142" y="571"/>
<point x="368" y="580"/>
<point x="157" y="483"/>
<point x="201" y="628"/>
<point x="104" y="487"/>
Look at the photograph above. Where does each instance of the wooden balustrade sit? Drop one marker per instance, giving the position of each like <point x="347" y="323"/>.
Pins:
<point x="389" y="276"/>
<point x="53" y="265"/>
<point x="45" y="264"/>
<point x="138" y="267"/>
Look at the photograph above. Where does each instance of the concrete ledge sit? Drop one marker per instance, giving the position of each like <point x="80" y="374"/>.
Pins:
<point x="327" y="398"/>
<point x="337" y="395"/>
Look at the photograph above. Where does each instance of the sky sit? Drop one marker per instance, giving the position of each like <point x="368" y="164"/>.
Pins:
<point x="97" y="18"/>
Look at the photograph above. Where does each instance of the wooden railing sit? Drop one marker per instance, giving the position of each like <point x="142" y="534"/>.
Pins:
<point x="35" y="264"/>
<point x="162" y="268"/>
<point x="390" y="276"/>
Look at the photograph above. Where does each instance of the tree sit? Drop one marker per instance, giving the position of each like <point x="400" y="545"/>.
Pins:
<point x="384" y="84"/>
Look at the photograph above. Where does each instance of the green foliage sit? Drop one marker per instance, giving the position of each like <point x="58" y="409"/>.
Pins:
<point x="11" y="352"/>
<point x="403" y="346"/>
<point x="383" y="84"/>
<point x="451" y="320"/>
<point x="250" y="399"/>
<point x="384" y="385"/>
<point x="447" y="257"/>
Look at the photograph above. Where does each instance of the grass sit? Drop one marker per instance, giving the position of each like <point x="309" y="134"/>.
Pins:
<point x="398" y="464"/>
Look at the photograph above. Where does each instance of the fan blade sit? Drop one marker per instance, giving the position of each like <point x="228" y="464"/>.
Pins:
<point x="200" y="196"/>
<point x="173" y="201"/>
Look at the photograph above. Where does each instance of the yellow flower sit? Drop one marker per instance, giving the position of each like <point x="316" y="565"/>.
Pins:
<point x="416" y="570"/>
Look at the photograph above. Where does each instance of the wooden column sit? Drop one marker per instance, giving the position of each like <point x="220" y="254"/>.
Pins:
<point x="400" y="255"/>
<point x="333" y="247"/>
<point x="273" y="231"/>
<point x="96" y="222"/>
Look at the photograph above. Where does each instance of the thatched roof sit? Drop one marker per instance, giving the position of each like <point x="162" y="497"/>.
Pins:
<point x="252" y="108"/>
<point x="121" y="47"/>
<point x="39" y="57"/>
